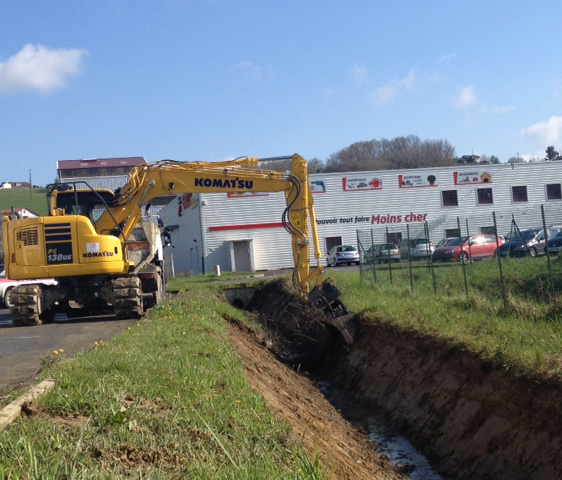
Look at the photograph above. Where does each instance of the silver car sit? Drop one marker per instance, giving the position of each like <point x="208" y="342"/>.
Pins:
<point x="419" y="248"/>
<point x="342" y="254"/>
<point x="386" y="252"/>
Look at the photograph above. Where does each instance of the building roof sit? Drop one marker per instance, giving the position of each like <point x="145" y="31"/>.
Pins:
<point x="100" y="163"/>
<point x="18" y="210"/>
<point x="110" y="182"/>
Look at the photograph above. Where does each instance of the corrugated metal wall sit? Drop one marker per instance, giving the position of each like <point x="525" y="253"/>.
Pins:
<point x="348" y="202"/>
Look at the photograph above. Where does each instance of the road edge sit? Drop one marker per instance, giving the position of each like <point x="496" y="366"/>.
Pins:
<point x="12" y="411"/>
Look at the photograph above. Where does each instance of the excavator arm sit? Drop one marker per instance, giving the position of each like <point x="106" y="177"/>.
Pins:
<point x="241" y="175"/>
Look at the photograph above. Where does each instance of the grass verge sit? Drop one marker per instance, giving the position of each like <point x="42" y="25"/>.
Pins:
<point x="522" y="333"/>
<point x="166" y="399"/>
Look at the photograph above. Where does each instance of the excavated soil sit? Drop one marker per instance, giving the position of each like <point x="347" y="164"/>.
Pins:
<point x="472" y="419"/>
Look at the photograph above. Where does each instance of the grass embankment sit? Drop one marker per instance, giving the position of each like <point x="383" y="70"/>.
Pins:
<point x="166" y="399"/>
<point x="522" y="333"/>
<point x="36" y="200"/>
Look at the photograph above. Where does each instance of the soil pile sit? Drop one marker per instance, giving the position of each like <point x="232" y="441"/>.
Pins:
<point x="472" y="419"/>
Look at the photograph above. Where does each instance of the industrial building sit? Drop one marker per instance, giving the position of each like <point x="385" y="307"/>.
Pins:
<point x="243" y="232"/>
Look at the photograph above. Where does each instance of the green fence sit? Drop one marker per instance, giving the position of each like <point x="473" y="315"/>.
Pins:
<point x="428" y="272"/>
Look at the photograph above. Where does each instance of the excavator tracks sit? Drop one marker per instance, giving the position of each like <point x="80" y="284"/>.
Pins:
<point x="26" y="308"/>
<point x="127" y="294"/>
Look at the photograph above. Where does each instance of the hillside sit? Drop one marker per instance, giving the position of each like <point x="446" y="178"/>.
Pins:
<point x="35" y="201"/>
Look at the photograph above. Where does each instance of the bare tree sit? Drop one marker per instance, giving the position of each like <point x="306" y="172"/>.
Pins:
<point x="398" y="153"/>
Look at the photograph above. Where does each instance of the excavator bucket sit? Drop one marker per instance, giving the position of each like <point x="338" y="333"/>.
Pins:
<point x="328" y="298"/>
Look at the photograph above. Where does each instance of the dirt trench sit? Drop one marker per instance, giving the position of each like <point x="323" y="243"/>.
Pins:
<point x="473" y="420"/>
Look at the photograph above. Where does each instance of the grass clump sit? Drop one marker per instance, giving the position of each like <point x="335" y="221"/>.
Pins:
<point x="166" y="399"/>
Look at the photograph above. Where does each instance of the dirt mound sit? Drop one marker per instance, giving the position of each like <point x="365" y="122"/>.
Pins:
<point x="296" y="331"/>
<point x="473" y="420"/>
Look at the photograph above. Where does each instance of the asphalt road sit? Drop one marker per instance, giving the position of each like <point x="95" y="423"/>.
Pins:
<point x="23" y="349"/>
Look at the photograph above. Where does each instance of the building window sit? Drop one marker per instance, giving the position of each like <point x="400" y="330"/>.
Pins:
<point x="485" y="196"/>
<point x="488" y="230"/>
<point x="450" y="198"/>
<point x="553" y="192"/>
<point x="452" y="233"/>
<point x="519" y="193"/>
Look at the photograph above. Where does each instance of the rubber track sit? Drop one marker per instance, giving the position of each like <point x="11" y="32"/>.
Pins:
<point x="25" y="311"/>
<point x="127" y="293"/>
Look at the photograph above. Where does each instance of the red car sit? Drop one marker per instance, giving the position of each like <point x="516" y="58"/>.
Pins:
<point x="475" y="247"/>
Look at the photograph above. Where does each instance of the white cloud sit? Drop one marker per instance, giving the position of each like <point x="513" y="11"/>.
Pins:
<point x="389" y="92"/>
<point x="39" y="68"/>
<point x="545" y="133"/>
<point x="497" y="110"/>
<point x="247" y="70"/>
<point x="465" y="97"/>
<point x="359" y="75"/>
<point x="447" y="58"/>
<point x="329" y="92"/>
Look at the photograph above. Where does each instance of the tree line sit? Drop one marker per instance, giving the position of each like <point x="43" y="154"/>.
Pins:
<point x="398" y="153"/>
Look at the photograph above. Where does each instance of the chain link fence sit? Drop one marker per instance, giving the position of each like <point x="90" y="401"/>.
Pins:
<point x="434" y="255"/>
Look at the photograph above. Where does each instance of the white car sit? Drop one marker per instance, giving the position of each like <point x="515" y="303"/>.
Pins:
<point x="6" y="285"/>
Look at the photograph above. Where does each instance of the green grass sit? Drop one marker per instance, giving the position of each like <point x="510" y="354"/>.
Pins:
<point x="36" y="200"/>
<point x="522" y="332"/>
<point x="167" y="399"/>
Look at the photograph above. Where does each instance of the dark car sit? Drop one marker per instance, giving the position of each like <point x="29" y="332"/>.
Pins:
<point x="465" y="248"/>
<point x="530" y="242"/>
<point x="555" y="244"/>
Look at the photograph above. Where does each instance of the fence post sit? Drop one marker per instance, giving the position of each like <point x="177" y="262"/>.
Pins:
<point x="430" y="258"/>
<point x="551" y="279"/>
<point x="469" y="246"/>
<point x="461" y="256"/>
<point x="410" y="259"/>
<point x="373" y="250"/>
<point x="388" y="258"/>
<point x="502" y="281"/>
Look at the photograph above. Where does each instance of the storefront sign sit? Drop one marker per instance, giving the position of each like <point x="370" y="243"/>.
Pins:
<point x="317" y="186"/>
<point x="466" y="177"/>
<point x="354" y="184"/>
<point x="410" y="181"/>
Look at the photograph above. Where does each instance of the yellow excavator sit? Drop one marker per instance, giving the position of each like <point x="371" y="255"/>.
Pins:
<point x="89" y="240"/>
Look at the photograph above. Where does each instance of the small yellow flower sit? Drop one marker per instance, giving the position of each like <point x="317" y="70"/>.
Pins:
<point x="96" y="344"/>
<point x="61" y="350"/>
<point x="55" y="352"/>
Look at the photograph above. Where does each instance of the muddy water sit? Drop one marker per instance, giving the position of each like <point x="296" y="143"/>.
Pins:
<point x="389" y="442"/>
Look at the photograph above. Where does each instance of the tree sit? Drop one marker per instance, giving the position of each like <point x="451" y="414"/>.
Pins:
<point x="515" y="160"/>
<point x="398" y="153"/>
<point x="495" y="160"/>
<point x="551" y="154"/>
<point x="315" y="165"/>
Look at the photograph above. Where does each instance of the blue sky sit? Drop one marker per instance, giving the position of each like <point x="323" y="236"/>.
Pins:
<point x="199" y="80"/>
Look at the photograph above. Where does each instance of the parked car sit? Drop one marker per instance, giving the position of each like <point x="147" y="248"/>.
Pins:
<point x="555" y="244"/>
<point x="465" y="248"/>
<point x="419" y="248"/>
<point x="342" y="254"/>
<point x="530" y="242"/>
<point x="385" y="252"/>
